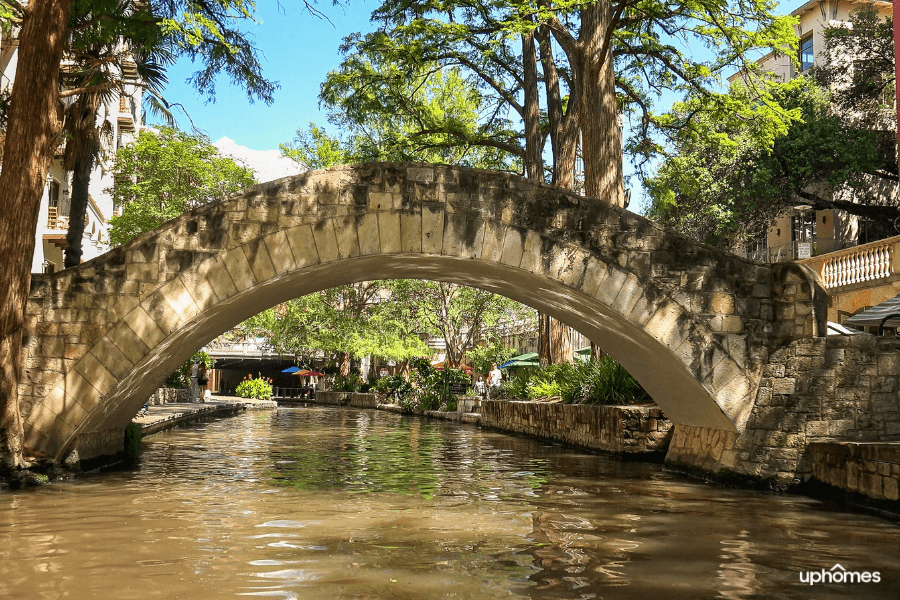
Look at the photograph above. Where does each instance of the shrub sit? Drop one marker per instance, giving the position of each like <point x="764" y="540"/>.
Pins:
<point x="261" y="388"/>
<point x="602" y="381"/>
<point x="349" y="383"/>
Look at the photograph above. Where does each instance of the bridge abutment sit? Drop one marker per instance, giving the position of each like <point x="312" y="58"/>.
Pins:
<point x="836" y="388"/>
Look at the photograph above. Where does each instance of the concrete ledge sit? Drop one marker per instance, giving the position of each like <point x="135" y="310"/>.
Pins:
<point x="163" y="417"/>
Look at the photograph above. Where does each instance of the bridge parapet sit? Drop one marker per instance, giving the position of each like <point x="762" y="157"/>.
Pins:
<point x="695" y="325"/>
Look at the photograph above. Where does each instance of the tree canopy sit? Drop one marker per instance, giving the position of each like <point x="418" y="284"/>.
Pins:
<point x="164" y="174"/>
<point x="729" y="178"/>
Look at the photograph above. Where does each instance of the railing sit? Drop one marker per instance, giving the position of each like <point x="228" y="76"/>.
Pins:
<point x="868" y="263"/>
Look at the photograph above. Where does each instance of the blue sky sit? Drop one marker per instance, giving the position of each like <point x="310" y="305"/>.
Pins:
<point x="298" y="50"/>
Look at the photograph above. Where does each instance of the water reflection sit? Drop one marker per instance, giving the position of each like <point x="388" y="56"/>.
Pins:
<point x="326" y="503"/>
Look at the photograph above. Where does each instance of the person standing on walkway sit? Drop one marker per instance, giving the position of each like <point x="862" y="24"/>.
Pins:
<point x="195" y="374"/>
<point x="480" y="387"/>
<point x="495" y="378"/>
<point x="202" y="381"/>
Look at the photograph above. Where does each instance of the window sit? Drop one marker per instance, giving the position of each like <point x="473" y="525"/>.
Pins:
<point x="807" y="56"/>
<point x="54" y="193"/>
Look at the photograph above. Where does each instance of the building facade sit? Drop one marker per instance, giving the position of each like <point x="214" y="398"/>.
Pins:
<point x="119" y="121"/>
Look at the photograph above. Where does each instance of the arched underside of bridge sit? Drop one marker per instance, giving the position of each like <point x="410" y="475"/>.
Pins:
<point x="150" y="305"/>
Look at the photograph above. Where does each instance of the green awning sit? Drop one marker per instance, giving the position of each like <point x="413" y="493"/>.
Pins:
<point x="529" y="359"/>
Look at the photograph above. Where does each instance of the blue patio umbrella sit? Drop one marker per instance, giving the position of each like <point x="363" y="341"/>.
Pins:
<point x="291" y="370"/>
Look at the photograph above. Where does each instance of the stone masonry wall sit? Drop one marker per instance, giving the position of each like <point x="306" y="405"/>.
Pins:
<point x="863" y="468"/>
<point x="625" y="430"/>
<point x="355" y="399"/>
<point x="839" y="388"/>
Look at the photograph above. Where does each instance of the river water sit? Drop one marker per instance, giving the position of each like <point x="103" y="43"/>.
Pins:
<point x="327" y="503"/>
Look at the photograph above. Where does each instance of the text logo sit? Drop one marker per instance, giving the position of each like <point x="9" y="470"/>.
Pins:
<point x="838" y="574"/>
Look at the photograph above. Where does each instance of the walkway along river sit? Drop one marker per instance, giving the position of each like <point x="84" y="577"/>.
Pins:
<point x="330" y="503"/>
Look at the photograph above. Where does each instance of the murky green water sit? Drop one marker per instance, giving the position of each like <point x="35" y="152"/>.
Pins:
<point x="322" y="503"/>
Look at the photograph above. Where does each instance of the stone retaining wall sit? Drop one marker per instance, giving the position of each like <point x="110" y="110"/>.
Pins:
<point x="167" y="395"/>
<point x="623" y="430"/>
<point x="870" y="470"/>
<point x="839" y="388"/>
<point x="355" y="399"/>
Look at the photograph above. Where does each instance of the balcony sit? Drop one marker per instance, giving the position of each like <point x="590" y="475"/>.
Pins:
<point x="872" y="264"/>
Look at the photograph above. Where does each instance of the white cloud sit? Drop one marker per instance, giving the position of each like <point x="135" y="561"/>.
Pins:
<point x="267" y="164"/>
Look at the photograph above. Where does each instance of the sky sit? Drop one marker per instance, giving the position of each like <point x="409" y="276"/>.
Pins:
<point x="297" y="50"/>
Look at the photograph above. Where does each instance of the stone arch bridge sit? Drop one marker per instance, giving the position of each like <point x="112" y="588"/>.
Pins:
<point x="693" y="324"/>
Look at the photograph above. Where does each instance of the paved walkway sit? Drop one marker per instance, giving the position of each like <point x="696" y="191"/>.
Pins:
<point x="166" y="416"/>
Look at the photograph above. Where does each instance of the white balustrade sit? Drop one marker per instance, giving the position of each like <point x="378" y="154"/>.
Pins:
<point x="859" y="265"/>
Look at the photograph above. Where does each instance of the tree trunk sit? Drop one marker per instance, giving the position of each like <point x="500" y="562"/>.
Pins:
<point x="81" y="148"/>
<point x="597" y="352"/>
<point x="601" y="140"/>
<point x="545" y="357"/>
<point x="534" y="163"/>
<point x="560" y="342"/>
<point x="31" y="137"/>
<point x="344" y="358"/>
<point x="563" y="128"/>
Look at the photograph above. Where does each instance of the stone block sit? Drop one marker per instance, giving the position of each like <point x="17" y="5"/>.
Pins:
<point x="239" y="268"/>
<point x="260" y="262"/>
<point x="532" y="254"/>
<point x="567" y="264"/>
<point x="492" y="247"/>
<point x="513" y="247"/>
<point x="411" y="232"/>
<point x="594" y="275"/>
<point x="109" y="355"/>
<point x="346" y="236"/>
<point x="99" y="376"/>
<point x="279" y="249"/>
<point x="384" y="201"/>
<point x="128" y="342"/>
<point x="389" y="232"/>
<point x="303" y="246"/>
<point x="432" y="228"/>
<point x="369" y="237"/>
<point x="662" y="323"/>
<point x="420" y="174"/>
<point x="326" y="241"/>
<point x="146" y="329"/>
<point x="612" y="284"/>
<point x="890" y="489"/>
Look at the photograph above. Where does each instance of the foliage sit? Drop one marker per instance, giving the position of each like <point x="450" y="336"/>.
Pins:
<point x="602" y="381"/>
<point x="165" y="174"/>
<point x="860" y="73"/>
<point x="481" y="357"/>
<point x="728" y="181"/>
<point x="182" y="377"/>
<point x="351" y="319"/>
<point x="260" y="388"/>
<point x="458" y="314"/>
<point x="348" y="383"/>
<point x="132" y="442"/>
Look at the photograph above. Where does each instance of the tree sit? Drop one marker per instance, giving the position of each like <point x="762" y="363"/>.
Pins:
<point x="32" y="134"/>
<point x="728" y="180"/>
<point x="101" y="52"/>
<point x="458" y="314"/>
<point x="208" y="31"/>
<point x="347" y="321"/>
<point x="164" y="174"/>
<point x="386" y="115"/>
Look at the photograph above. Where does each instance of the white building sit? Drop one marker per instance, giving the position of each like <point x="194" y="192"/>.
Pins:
<point x="122" y="119"/>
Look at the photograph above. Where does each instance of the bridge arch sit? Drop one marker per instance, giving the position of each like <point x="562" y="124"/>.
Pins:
<point x="693" y="324"/>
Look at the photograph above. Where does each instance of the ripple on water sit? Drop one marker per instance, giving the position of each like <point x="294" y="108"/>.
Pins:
<point x="327" y="504"/>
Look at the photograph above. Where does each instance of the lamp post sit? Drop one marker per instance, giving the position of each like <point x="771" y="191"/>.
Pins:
<point x="804" y="248"/>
